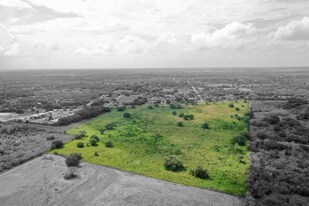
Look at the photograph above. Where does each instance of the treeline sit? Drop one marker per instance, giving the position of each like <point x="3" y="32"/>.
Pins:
<point x="280" y="157"/>
<point x="85" y="113"/>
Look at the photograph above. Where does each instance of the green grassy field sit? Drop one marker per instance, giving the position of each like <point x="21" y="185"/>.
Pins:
<point x="138" y="149"/>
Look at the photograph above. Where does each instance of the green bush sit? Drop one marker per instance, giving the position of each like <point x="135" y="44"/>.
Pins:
<point x="78" y="155"/>
<point x="200" y="172"/>
<point x="241" y="139"/>
<point x="172" y="163"/>
<point x="102" y="130"/>
<point x="180" y="124"/>
<point x="237" y="109"/>
<point x="188" y="116"/>
<point x="71" y="161"/>
<point x="109" y="144"/>
<point x="95" y="137"/>
<point x="181" y="115"/>
<point x="231" y="105"/>
<point x="93" y="141"/>
<point x="80" y="134"/>
<point x="121" y="109"/>
<point x="56" y="144"/>
<point x="80" y="145"/>
<point x="150" y="107"/>
<point x="174" y="113"/>
<point x="127" y="115"/>
<point x="96" y="153"/>
<point x="205" y="125"/>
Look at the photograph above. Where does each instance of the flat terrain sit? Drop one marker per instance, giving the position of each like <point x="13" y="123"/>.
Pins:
<point x="143" y="141"/>
<point x="40" y="182"/>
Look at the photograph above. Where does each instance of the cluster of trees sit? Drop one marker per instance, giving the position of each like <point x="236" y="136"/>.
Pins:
<point x="85" y="113"/>
<point x="279" y="176"/>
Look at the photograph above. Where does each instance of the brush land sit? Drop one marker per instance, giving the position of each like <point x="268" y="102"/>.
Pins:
<point x="142" y="141"/>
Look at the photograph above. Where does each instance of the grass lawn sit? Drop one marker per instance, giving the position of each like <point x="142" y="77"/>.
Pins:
<point x="142" y="141"/>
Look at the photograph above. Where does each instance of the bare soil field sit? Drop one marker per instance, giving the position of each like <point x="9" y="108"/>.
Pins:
<point x="40" y="182"/>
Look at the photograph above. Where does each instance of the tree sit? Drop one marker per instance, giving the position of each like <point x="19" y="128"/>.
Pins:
<point x="205" y="125"/>
<point x="102" y="130"/>
<point x="95" y="137"/>
<point x="121" y="109"/>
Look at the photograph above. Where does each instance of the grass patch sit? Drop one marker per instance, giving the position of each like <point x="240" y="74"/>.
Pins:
<point x="141" y="143"/>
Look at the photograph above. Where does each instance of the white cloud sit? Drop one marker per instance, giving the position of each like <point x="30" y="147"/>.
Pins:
<point x="294" y="30"/>
<point x="230" y="35"/>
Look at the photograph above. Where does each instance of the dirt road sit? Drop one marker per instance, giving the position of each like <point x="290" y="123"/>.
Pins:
<point x="40" y="182"/>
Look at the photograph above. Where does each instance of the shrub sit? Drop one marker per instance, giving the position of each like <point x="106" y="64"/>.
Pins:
<point x="240" y="140"/>
<point x="205" y="125"/>
<point x="110" y="126"/>
<point x="200" y="172"/>
<point x="231" y="105"/>
<point x="172" y="163"/>
<point x="95" y="137"/>
<point x="150" y="107"/>
<point x="127" y="115"/>
<point x="175" y="105"/>
<point x="70" y="174"/>
<point x="80" y="145"/>
<point x="188" y="116"/>
<point x="93" y="141"/>
<point x="121" y="109"/>
<point x="96" y="153"/>
<point x="180" y="124"/>
<point x="80" y="134"/>
<point x="109" y="144"/>
<point x="237" y="109"/>
<point x="272" y="120"/>
<point x="50" y="138"/>
<point x="174" y="113"/>
<point x="71" y="161"/>
<point x="181" y="115"/>
<point x="56" y="144"/>
<point x="102" y="130"/>
<point x="78" y="155"/>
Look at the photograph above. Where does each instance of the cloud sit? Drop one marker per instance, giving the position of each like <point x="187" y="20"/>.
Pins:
<point x="30" y="14"/>
<point x="230" y="35"/>
<point x="294" y="30"/>
<point x="6" y="37"/>
<point x="13" y="49"/>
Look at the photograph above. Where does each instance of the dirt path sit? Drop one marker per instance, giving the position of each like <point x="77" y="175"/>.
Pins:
<point x="40" y="182"/>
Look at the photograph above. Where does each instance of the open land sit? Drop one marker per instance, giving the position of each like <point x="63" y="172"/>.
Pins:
<point x="40" y="182"/>
<point x="141" y="142"/>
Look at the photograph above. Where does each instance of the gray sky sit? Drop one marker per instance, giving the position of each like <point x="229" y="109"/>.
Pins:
<point x="153" y="33"/>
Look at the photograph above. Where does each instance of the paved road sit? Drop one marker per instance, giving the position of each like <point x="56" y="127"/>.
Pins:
<point x="40" y="182"/>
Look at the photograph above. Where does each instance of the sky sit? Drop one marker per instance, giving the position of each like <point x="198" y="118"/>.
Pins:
<point x="37" y="34"/>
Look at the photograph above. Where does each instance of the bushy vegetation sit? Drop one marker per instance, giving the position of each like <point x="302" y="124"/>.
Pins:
<point x="85" y="113"/>
<point x="109" y="144"/>
<point x="72" y="161"/>
<point x="127" y="115"/>
<point x="56" y="144"/>
<point x="205" y="125"/>
<point x="200" y="172"/>
<point x="80" y="144"/>
<point x="278" y="177"/>
<point x="180" y="124"/>
<point x="173" y="163"/>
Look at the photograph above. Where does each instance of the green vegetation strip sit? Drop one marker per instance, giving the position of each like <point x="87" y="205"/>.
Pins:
<point x="140" y="139"/>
